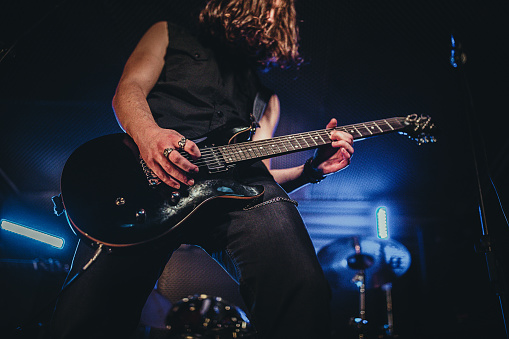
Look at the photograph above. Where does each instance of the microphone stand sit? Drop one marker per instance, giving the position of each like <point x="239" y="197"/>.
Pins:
<point x="485" y="245"/>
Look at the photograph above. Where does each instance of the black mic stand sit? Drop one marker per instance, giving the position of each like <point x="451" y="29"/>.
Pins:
<point x="485" y="245"/>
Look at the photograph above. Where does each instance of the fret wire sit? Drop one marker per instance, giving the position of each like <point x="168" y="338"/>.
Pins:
<point x="363" y="130"/>
<point x="313" y="139"/>
<point x="376" y="125"/>
<point x="303" y="142"/>
<point x="320" y="136"/>
<point x="366" y="127"/>
<point x="310" y="138"/>
<point x="355" y="127"/>
<point x="210" y="154"/>
<point x="389" y="125"/>
<point x="291" y="143"/>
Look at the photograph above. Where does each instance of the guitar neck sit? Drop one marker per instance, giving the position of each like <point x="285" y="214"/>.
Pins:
<point x="268" y="148"/>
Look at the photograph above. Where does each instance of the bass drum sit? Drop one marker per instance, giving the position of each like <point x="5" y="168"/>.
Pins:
<point x="203" y="316"/>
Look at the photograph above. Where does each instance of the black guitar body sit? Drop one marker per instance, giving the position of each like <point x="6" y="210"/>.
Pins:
<point x="108" y="199"/>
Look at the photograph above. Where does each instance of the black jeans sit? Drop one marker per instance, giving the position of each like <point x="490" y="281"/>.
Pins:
<point x="267" y="248"/>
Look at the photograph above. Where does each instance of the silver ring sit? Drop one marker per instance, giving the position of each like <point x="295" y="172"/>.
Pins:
<point x="182" y="143"/>
<point x="167" y="152"/>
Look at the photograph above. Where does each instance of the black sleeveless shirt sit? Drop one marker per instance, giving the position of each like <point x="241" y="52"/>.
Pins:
<point x="201" y="88"/>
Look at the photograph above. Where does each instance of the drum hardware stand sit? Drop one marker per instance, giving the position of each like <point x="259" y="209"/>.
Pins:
<point x="389" y="327"/>
<point x="360" y="262"/>
<point x="360" y="322"/>
<point x="348" y="259"/>
<point x="387" y="288"/>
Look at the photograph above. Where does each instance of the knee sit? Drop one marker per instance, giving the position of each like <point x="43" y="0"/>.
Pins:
<point x="297" y="273"/>
<point x="311" y="281"/>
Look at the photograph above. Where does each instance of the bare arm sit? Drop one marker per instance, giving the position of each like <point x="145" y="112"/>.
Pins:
<point x="328" y="159"/>
<point x="133" y="113"/>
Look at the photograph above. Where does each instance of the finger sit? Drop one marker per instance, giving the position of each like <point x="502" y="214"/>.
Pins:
<point x="184" y="145"/>
<point x="162" y="174"/>
<point x="343" y="144"/>
<point x="332" y="123"/>
<point x="347" y="155"/>
<point x="336" y="166"/>
<point x="344" y="162"/>
<point x="338" y="135"/>
<point x="192" y="149"/>
<point x="177" y="159"/>
<point x="178" y="168"/>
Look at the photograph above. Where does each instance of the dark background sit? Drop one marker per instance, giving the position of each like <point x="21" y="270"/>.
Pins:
<point x="366" y="60"/>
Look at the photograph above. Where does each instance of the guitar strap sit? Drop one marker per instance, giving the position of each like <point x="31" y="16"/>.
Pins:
<point x="260" y="103"/>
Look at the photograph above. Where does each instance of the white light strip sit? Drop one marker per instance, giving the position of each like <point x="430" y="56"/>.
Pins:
<point x="382" y="230"/>
<point x="33" y="234"/>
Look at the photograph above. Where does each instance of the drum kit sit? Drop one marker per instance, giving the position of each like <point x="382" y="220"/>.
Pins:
<point x="351" y="264"/>
<point x="203" y="316"/>
<point x="362" y="263"/>
<point x="198" y="316"/>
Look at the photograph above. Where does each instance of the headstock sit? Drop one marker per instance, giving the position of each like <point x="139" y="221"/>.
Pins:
<point x="420" y="129"/>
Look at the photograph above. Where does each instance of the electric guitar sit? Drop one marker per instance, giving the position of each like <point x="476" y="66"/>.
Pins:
<point x="111" y="197"/>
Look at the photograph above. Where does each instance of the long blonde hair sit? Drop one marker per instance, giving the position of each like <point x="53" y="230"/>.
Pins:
<point x="246" y="23"/>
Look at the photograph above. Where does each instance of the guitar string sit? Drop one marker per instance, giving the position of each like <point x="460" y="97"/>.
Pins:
<point x="211" y="155"/>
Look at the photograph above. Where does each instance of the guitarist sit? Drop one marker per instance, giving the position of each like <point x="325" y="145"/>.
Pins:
<point x="181" y="85"/>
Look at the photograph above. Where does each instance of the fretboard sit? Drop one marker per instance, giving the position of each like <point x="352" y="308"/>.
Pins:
<point x="262" y="149"/>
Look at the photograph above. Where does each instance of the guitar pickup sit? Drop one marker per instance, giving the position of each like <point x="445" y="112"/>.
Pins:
<point x="217" y="169"/>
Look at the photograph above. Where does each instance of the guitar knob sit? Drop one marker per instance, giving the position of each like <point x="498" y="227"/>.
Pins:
<point x="175" y="198"/>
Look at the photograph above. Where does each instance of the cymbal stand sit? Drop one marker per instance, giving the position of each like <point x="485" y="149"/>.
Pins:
<point x="360" y="322"/>
<point x="389" y="327"/>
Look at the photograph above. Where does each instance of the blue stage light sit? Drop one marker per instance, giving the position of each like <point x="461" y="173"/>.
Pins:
<point x="453" y="52"/>
<point x="32" y="233"/>
<point x="382" y="230"/>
